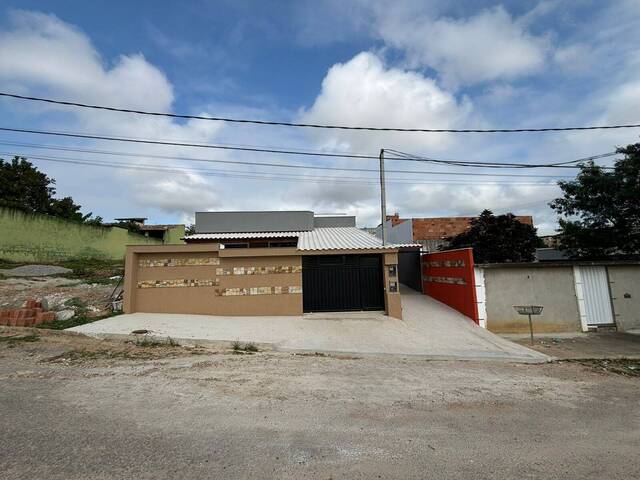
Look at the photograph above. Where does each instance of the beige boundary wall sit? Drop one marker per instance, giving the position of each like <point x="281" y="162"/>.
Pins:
<point x="204" y="279"/>
<point x="551" y="287"/>
<point x="554" y="287"/>
<point x="624" y="285"/>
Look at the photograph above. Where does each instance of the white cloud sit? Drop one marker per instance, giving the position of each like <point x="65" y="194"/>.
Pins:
<point x="487" y="46"/>
<point x="363" y="91"/>
<point x="40" y="53"/>
<point x="44" y="52"/>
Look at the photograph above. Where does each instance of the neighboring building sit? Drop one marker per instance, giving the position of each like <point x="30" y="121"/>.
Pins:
<point x="551" y="241"/>
<point x="431" y="233"/>
<point x="575" y="295"/>
<point x="172" y="233"/>
<point x="266" y="263"/>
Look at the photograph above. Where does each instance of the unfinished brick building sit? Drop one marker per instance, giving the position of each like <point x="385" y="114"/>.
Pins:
<point x="431" y="233"/>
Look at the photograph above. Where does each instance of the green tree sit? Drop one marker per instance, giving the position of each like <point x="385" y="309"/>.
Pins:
<point x="498" y="239"/>
<point x="600" y="210"/>
<point x="23" y="187"/>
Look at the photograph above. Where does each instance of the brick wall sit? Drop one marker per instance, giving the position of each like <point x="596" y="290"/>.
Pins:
<point x="443" y="227"/>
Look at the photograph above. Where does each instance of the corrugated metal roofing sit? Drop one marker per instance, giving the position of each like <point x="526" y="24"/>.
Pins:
<point x="340" y="238"/>
<point x="241" y="235"/>
<point x="323" y="238"/>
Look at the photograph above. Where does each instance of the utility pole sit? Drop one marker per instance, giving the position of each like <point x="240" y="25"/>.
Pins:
<point x="383" y="198"/>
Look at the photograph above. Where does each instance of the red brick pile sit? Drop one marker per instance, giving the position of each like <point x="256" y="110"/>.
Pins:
<point x="28" y="316"/>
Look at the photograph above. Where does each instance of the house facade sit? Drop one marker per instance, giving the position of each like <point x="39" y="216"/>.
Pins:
<point x="266" y="263"/>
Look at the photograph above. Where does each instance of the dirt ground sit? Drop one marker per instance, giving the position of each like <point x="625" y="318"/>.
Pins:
<point x="75" y="407"/>
<point x="588" y="345"/>
<point x="15" y="291"/>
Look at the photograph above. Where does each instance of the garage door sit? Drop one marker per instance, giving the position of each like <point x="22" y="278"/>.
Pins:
<point x="334" y="283"/>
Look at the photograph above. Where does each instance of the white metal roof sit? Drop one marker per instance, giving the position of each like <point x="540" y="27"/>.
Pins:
<point x="322" y="238"/>
<point x="340" y="238"/>
<point x="241" y="235"/>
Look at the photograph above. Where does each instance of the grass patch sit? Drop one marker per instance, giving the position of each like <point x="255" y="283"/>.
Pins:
<point x="13" y="340"/>
<point x="94" y="267"/>
<point x="621" y="366"/>
<point x="74" y="322"/>
<point x="154" y="342"/>
<point x="9" y="264"/>
<point x="248" y="347"/>
<point x="100" y="280"/>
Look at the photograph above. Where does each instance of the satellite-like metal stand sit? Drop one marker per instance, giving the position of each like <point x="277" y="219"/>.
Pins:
<point x="529" y="310"/>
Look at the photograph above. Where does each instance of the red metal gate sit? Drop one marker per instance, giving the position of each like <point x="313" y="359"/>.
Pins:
<point x="448" y="277"/>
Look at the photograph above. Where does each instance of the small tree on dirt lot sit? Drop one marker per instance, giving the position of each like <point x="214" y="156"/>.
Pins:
<point x="497" y="239"/>
<point x="23" y="187"/>
<point x="600" y="209"/>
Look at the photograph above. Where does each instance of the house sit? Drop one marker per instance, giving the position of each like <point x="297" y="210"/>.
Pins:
<point x="266" y="263"/>
<point x="172" y="233"/>
<point x="431" y="233"/>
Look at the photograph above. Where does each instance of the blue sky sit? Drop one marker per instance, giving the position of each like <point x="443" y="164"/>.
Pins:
<point x="407" y="64"/>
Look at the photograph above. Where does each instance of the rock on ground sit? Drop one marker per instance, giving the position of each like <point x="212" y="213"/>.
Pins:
<point x="35" y="271"/>
<point x="65" y="314"/>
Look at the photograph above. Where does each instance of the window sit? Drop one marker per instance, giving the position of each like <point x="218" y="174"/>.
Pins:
<point x="236" y="245"/>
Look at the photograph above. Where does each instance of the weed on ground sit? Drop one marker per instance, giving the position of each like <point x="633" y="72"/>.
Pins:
<point x="622" y="366"/>
<point x="248" y="347"/>
<point x="93" y="270"/>
<point x="147" y="341"/>
<point x="75" y="321"/>
<point x="12" y="340"/>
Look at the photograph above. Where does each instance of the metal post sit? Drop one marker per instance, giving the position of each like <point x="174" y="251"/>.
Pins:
<point x="383" y="198"/>
<point x="530" y="328"/>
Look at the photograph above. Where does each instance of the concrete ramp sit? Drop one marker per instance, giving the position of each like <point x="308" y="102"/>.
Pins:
<point x="430" y="329"/>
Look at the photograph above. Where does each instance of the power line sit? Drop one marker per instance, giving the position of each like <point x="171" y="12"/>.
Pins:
<point x="404" y="156"/>
<point x="184" y="144"/>
<point x="265" y="164"/>
<point x="309" y="125"/>
<point x="465" y="163"/>
<point x="270" y="176"/>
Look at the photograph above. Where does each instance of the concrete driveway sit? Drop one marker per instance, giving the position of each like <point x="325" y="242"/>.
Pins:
<point x="429" y="329"/>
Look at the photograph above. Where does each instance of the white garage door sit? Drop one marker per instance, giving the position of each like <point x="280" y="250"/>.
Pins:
<point x="595" y="295"/>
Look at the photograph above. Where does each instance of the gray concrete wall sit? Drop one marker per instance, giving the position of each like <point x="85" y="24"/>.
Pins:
<point x="624" y="282"/>
<point x="401" y="233"/>
<point x="231" y="222"/>
<point x="551" y="287"/>
<point x="334" y="221"/>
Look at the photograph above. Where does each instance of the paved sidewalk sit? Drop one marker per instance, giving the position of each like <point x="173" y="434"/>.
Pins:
<point x="429" y="329"/>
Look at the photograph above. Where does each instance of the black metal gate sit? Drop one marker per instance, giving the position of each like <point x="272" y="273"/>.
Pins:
<point x="334" y="283"/>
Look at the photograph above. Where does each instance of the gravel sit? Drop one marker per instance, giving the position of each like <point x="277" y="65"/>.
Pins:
<point x="35" y="271"/>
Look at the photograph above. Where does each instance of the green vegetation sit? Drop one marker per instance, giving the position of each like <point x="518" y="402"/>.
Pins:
<point x="600" y="210"/>
<point x="147" y="341"/>
<point x="74" y="321"/>
<point x="93" y="270"/>
<point x="497" y="239"/>
<point x="13" y="340"/>
<point x="25" y="188"/>
<point x="239" y="347"/>
<point x="621" y="366"/>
